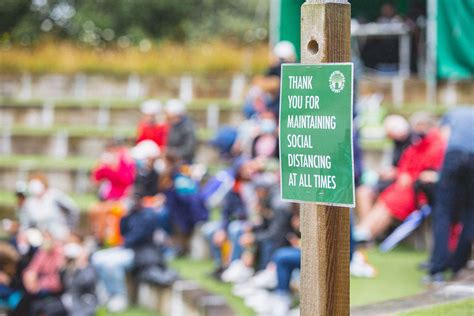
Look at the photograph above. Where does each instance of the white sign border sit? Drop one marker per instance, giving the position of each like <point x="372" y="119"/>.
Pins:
<point x="353" y="205"/>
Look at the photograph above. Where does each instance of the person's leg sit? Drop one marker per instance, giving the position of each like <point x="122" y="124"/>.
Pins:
<point x="208" y="230"/>
<point x="365" y="200"/>
<point x="235" y="231"/>
<point x="286" y="260"/>
<point x="265" y="251"/>
<point x="111" y="265"/>
<point x="463" y="250"/>
<point x="163" y="220"/>
<point x="374" y="224"/>
<point x="446" y="189"/>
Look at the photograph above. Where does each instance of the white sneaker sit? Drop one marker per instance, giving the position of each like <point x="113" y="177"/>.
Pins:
<point x="265" y="279"/>
<point x="280" y="304"/>
<point x="360" y="267"/>
<point x="259" y="301"/>
<point x="244" y="289"/>
<point x="117" y="304"/>
<point x="237" y="272"/>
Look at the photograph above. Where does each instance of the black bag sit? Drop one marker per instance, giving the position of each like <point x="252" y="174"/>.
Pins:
<point x="147" y="256"/>
<point x="158" y="276"/>
<point x="50" y="306"/>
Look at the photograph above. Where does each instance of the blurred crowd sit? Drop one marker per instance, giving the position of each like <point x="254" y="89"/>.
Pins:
<point x="154" y="197"/>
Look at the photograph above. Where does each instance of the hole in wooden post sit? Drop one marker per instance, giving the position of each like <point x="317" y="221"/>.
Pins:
<point x="313" y="47"/>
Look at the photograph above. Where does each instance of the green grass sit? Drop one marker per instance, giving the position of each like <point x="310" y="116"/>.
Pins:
<point x="83" y="131"/>
<point x="84" y="201"/>
<point x="44" y="162"/>
<point x="113" y="103"/>
<point x="397" y="277"/>
<point x="133" y="311"/>
<point x="460" y="308"/>
<point x="198" y="270"/>
<point x="74" y="131"/>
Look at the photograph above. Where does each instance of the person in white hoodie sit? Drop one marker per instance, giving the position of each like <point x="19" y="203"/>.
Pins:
<point x="48" y="209"/>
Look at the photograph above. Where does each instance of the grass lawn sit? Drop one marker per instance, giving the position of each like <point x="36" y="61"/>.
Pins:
<point x="198" y="271"/>
<point x="84" y="201"/>
<point x="133" y="311"/>
<point x="461" y="308"/>
<point x="114" y="103"/>
<point x="398" y="277"/>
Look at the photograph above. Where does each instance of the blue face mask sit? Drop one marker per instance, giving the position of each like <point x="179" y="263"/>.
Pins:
<point x="140" y="164"/>
<point x="267" y="126"/>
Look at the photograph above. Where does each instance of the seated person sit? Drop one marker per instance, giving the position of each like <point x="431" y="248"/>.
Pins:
<point x="9" y="292"/>
<point x="273" y="230"/>
<point x="79" y="297"/>
<point x="400" y="199"/>
<point x="234" y="217"/>
<point x="150" y="126"/>
<point x="115" y="172"/>
<point x="136" y="228"/>
<point x="42" y="280"/>
<point x="397" y="129"/>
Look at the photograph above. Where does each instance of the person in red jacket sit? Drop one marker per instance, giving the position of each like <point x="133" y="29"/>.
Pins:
<point x="115" y="172"/>
<point x="418" y="161"/>
<point x="150" y="126"/>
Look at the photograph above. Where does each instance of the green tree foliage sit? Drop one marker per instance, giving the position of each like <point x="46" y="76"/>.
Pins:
<point x="98" y="22"/>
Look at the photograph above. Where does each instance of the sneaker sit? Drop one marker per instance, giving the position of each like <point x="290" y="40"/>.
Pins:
<point x="281" y="304"/>
<point x="360" y="267"/>
<point x="117" y="304"/>
<point x="216" y="274"/>
<point x="259" y="301"/>
<point x="237" y="272"/>
<point x="433" y="279"/>
<point x="265" y="279"/>
<point x="244" y="290"/>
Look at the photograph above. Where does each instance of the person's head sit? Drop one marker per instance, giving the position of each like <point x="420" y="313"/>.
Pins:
<point x="37" y="185"/>
<point x="150" y="109"/>
<point x="284" y="51"/>
<point x="396" y="127"/>
<point x="267" y="123"/>
<point x="146" y="152"/>
<point x="225" y="140"/>
<point x="388" y="10"/>
<point x="421" y="123"/>
<point x="21" y="191"/>
<point x="175" y="109"/>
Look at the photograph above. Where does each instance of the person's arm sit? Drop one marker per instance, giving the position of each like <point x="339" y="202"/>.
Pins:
<point x="70" y="207"/>
<point x="277" y="226"/>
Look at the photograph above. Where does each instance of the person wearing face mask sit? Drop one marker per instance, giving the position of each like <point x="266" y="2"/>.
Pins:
<point x="265" y="145"/>
<point x="419" y="161"/>
<point x="48" y="209"/>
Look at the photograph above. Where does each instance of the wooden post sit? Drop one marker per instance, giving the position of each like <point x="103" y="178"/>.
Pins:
<point x="325" y="37"/>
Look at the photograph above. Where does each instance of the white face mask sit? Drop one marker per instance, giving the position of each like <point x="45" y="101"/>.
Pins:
<point x="36" y="187"/>
<point x="159" y="165"/>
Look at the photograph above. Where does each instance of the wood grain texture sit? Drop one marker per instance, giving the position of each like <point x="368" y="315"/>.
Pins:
<point x="325" y="229"/>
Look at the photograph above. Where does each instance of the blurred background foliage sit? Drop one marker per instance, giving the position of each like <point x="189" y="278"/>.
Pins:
<point x="132" y="22"/>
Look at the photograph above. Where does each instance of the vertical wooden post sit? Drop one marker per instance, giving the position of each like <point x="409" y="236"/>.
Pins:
<point x="325" y="37"/>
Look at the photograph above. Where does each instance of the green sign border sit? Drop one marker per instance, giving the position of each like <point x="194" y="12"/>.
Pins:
<point x="353" y="204"/>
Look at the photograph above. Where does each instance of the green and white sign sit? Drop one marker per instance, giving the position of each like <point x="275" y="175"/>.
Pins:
<point x="316" y="155"/>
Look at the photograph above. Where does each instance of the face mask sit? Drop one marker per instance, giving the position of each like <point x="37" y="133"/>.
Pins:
<point x="419" y="136"/>
<point x="35" y="187"/>
<point x="159" y="165"/>
<point x="267" y="126"/>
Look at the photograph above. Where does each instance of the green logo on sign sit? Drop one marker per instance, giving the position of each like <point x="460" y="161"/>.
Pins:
<point x="316" y="134"/>
<point x="336" y="81"/>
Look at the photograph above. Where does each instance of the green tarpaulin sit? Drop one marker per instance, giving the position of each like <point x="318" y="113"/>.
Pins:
<point x="455" y="47"/>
